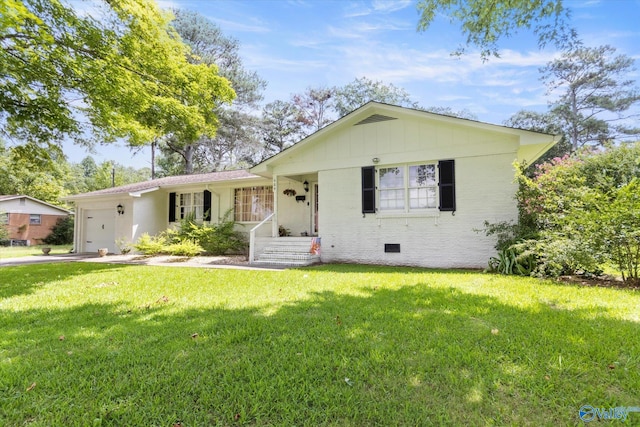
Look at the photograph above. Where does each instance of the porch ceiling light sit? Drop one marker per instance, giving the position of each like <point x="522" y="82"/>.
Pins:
<point x="120" y="209"/>
<point x="306" y="186"/>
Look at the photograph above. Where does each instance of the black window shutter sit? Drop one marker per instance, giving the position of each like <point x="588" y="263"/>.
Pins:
<point x="207" y="205"/>
<point x="172" y="207"/>
<point x="368" y="189"/>
<point x="447" y="184"/>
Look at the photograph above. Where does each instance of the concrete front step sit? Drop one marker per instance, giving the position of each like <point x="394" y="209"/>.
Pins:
<point x="287" y="251"/>
<point x="288" y="255"/>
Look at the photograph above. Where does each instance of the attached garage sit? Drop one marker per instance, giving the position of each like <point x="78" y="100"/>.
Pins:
<point x="99" y="229"/>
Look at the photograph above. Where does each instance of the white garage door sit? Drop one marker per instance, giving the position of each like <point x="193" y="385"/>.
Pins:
<point x="99" y="229"/>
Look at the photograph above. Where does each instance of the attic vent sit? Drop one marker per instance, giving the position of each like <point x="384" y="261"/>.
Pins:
<point x="375" y="118"/>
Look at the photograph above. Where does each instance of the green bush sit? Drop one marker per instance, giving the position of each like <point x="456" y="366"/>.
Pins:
<point x="215" y="239"/>
<point x="186" y="248"/>
<point x="150" y="245"/>
<point x="4" y="231"/>
<point x="222" y="238"/>
<point x="61" y="232"/>
<point x="577" y="214"/>
<point x="512" y="261"/>
<point x="191" y="239"/>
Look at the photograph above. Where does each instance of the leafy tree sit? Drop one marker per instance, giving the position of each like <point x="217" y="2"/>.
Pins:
<point x="357" y="93"/>
<point x="109" y="174"/>
<point x="28" y="169"/>
<point x="595" y="95"/>
<point x="236" y="145"/>
<point x="315" y="106"/>
<point x="169" y="164"/>
<point x="485" y="22"/>
<point x="88" y="176"/>
<point x="280" y="126"/>
<point x="236" y="127"/>
<point x="125" y="74"/>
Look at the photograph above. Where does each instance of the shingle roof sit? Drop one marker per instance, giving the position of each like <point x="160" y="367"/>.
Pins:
<point x="21" y="196"/>
<point x="170" y="181"/>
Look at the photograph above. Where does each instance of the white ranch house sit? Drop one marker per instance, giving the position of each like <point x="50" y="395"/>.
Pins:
<point x="382" y="185"/>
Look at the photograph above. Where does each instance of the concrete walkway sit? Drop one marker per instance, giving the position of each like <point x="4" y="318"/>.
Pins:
<point x="226" y="262"/>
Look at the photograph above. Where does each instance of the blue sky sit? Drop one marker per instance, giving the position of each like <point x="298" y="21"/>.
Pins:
<point x="295" y="44"/>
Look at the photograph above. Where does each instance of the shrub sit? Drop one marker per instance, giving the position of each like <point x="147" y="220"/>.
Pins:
<point x="61" y="232"/>
<point x="510" y="261"/>
<point x="150" y="245"/>
<point x="222" y="238"/>
<point x="4" y="231"/>
<point x="187" y="248"/>
<point x="123" y="245"/>
<point x="576" y="214"/>
<point x="612" y="228"/>
<point x="191" y="239"/>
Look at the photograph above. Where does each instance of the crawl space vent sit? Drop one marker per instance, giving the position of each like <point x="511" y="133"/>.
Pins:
<point x="375" y="118"/>
<point x="392" y="247"/>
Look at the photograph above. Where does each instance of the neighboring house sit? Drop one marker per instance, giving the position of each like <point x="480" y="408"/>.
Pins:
<point x="382" y="185"/>
<point x="28" y="219"/>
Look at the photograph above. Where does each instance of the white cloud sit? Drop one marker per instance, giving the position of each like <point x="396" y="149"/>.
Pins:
<point x="387" y="6"/>
<point x="258" y="59"/>
<point x="233" y="26"/>
<point x="168" y="4"/>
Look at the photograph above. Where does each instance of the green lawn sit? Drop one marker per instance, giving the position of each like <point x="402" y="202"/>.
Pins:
<point x="86" y="344"/>
<point x="23" y="251"/>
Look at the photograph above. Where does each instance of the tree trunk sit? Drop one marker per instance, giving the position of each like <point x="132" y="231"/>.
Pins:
<point x="188" y="159"/>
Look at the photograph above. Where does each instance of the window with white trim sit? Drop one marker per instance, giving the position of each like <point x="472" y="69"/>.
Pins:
<point x="35" y="219"/>
<point x="253" y="203"/>
<point x="407" y="188"/>
<point x="191" y="204"/>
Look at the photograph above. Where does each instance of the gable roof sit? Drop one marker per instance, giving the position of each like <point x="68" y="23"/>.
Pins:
<point x="5" y="198"/>
<point x="169" y="181"/>
<point x="533" y="144"/>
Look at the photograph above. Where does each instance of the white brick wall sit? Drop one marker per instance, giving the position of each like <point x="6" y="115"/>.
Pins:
<point x="484" y="191"/>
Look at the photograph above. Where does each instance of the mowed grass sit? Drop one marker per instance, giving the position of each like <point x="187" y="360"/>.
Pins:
<point x="103" y="345"/>
<point x="24" y="251"/>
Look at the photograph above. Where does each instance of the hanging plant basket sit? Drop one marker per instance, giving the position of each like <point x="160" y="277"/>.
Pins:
<point x="289" y="192"/>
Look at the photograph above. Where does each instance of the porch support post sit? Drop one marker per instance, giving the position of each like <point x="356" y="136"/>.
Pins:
<point x="274" y="220"/>
<point x="78" y="226"/>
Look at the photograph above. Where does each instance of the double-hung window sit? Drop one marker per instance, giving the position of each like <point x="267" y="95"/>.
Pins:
<point x="196" y="206"/>
<point x="392" y="188"/>
<point x="191" y="205"/>
<point x="35" y="219"/>
<point x="407" y="188"/>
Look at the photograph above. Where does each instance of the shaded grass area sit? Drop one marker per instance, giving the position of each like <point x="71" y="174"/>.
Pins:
<point x="93" y="344"/>
<point x="24" y="251"/>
